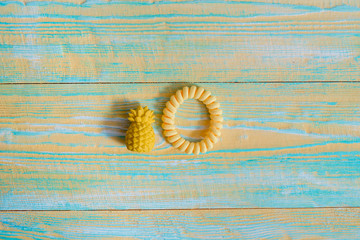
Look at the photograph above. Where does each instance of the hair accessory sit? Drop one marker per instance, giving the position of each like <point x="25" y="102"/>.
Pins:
<point x="140" y="136"/>
<point x="168" y="118"/>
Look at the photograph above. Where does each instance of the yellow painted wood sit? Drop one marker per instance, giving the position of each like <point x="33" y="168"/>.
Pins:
<point x="283" y="145"/>
<point x="317" y="3"/>
<point x="135" y="41"/>
<point x="337" y="223"/>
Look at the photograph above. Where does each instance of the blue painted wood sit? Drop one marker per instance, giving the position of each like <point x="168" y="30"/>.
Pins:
<point x="195" y="224"/>
<point x="211" y="41"/>
<point x="293" y="145"/>
<point x="282" y="145"/>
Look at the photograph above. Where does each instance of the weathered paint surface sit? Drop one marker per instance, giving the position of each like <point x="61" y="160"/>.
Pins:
<point x="184" y="224"/>
<point x="283" y="145"/>
<point x="296" y="3"/>
<point x="207" y="41"/>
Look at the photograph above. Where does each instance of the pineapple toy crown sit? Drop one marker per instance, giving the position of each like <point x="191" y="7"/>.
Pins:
<point x="141" y="115"/>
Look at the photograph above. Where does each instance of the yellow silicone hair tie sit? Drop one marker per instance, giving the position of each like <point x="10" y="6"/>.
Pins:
<point x="168" y="119"/>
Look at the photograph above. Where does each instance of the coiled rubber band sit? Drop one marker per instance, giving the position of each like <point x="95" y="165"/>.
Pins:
<point x="168" y="119"/>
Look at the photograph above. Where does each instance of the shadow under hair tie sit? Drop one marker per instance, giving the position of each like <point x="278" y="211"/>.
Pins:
<point x="168" y="119"/>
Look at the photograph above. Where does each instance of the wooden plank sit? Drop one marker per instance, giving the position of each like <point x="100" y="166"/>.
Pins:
<point x="183" y="224"/>
<point x="185" y="41"/>
<point x="315" y="3"/>
<point x="283" y="145"/>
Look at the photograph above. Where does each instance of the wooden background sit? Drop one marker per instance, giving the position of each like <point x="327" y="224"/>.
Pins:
<point x="286" y="73"/>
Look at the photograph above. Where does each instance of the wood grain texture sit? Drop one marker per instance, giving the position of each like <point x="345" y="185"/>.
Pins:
<point x="285" y="224"/>
<point x="283" y="145"/>
<point x="199" y="41"/>
<point x="315" y="3"/>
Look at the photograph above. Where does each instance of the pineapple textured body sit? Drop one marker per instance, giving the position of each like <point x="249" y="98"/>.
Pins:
<point x="140" y="137"/>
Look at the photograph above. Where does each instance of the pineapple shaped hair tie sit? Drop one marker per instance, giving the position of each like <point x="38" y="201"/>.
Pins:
<point x="168" y="119"/>
<point x="140" y="136"/>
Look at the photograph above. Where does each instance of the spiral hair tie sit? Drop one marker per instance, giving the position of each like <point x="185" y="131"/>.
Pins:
<point x="168" y="119"/>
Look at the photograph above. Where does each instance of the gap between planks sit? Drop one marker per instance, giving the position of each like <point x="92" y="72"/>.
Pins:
<point x="88" y="83"/>
<point x="174" y="209"/>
